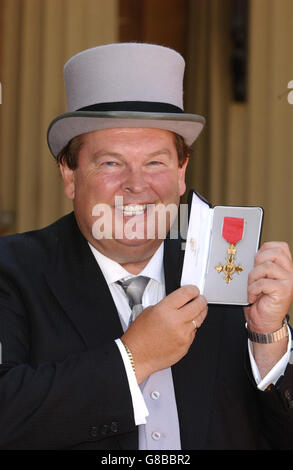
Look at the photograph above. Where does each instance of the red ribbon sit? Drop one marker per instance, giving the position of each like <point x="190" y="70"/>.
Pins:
<point x="233" y="229"/>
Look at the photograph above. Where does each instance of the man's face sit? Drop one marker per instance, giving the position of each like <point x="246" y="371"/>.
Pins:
<point x="136" y="169"/>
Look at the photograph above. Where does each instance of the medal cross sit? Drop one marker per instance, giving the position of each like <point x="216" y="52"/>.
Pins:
<point x="229" y="268"/>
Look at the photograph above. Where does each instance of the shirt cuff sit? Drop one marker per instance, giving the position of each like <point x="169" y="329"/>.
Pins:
<point x="276" y="372"/>
<point x="139" y="407"/>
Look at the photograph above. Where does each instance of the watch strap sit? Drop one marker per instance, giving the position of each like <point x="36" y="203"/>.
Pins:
<point x="268" y="338"/>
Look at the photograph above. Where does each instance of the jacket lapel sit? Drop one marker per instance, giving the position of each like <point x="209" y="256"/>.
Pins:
<point x="77" y="281"/>
<point x="194" y="375"/>
<point x="79" y="285"/>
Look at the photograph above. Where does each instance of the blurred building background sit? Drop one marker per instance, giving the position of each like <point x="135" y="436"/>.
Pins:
<point x="239" y="63"/>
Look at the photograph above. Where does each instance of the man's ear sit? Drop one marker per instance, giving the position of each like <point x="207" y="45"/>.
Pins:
<point x="181" y="177"/>
<point x="68" y="179"/>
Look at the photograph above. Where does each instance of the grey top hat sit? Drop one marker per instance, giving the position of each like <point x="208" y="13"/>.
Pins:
<point x="123" y="85"/>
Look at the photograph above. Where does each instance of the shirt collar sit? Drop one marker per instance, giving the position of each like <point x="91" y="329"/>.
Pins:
<point x="113" y="271"/>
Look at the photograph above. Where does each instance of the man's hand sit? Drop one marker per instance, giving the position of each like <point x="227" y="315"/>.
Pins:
<point x="270" y="291"/>
<point x="163" y="333"/>
<point x="270" y="288"/>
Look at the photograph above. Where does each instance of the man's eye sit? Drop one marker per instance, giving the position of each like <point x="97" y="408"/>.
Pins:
<point x="155" y="163"/>
<point x="110" y="163"/>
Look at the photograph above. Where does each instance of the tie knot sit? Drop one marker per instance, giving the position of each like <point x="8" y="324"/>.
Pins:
<point x="134" y="288"/>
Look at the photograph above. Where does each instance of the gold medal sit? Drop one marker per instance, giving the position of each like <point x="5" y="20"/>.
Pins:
<point x="232" y="232"/>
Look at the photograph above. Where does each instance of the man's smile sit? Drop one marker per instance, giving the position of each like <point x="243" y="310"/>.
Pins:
<point x="132" y="209"/>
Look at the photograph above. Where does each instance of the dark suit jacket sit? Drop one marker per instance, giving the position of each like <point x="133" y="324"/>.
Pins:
<point x="62" y="381"/>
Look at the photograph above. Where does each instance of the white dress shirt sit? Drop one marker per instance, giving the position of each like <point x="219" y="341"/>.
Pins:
<point x="154" y="292"/>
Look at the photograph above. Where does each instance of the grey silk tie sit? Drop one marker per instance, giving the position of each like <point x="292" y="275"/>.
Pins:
<point x="134" y="288"/>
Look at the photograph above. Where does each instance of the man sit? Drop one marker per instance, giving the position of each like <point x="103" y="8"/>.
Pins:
<point x="83" y="367"/>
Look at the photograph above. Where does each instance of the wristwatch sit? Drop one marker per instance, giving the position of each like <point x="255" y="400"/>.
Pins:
<point x="267" y="338"/>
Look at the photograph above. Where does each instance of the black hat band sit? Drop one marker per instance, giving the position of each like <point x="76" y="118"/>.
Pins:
<point x="133" y="106"/>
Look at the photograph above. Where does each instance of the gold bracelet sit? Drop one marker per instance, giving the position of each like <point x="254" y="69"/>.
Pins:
<point x="129" y="353"/>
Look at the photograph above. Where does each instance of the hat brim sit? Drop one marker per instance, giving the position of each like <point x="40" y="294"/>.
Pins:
<point x="68" y="125"/>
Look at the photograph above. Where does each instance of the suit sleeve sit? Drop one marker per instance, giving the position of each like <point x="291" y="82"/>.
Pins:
<point x="276" y="408"/>
<point x="56" y="404"/>
<point x="277" y="412"/>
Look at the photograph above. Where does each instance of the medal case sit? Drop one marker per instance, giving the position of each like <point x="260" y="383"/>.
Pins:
<point x="220" y="246"/>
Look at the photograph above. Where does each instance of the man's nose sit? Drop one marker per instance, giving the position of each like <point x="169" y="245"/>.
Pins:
<point x="134" y="181"/>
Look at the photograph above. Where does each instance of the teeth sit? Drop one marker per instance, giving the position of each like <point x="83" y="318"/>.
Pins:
<point x="133" y="209"/>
